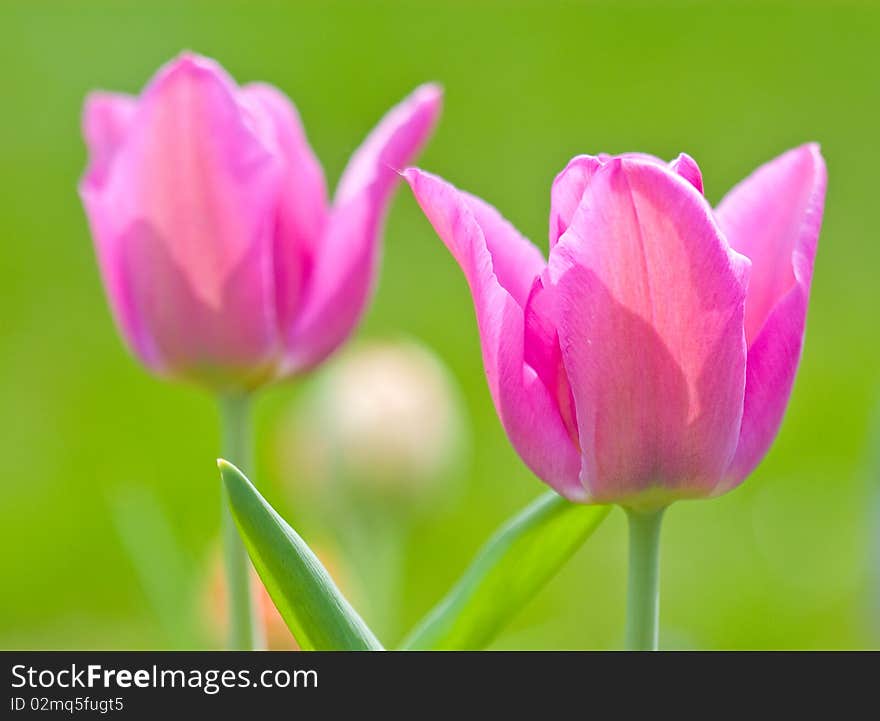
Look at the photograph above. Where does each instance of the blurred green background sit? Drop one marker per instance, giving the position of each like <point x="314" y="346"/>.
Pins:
<point x="92" y="444"/>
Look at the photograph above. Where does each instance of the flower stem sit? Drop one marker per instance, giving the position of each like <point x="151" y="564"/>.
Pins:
<point x="244" y="628"/>
<point x="643" y="593"/>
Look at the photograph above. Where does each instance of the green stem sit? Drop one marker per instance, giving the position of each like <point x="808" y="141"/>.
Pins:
<point x="643" y="593"/>
<point x="244" y="627"/>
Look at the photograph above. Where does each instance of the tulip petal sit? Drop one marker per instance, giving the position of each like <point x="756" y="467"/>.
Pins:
<point x="688" y="169"/>
<point x="569" y="186"/>
<point x="345" y="263"/>
<point x="108" y="248"/>
<point x="501" y="267"/>
<point x="191" y="175"/>
<point x="302" y="212"/>
<point x="773" y="217"/>
<point x="649" y="313"/>
<point x="397" y="138"/>
<point x="106" y="118"/>
<point x="543" y="353"/>
<point x="219" y="346"/>
<point x="567" y="191"/>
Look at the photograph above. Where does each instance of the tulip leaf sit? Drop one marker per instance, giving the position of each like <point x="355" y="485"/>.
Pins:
<point x="314" y="609"/>
<point x="510" y="569"/>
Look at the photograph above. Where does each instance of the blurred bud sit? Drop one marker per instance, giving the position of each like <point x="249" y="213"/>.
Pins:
<point x="385" y="418"/>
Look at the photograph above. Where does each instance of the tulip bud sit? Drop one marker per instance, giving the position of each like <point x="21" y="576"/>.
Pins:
<point x="223" y="260"/>
<point x="652" y="356"/>
<point x="385" y="418"/>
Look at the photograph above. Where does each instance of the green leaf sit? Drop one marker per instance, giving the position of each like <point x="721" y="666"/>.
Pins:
<point x="510" y="569"/>
<point x="312" y="606"/>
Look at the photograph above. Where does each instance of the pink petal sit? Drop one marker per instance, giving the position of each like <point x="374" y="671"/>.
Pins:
<point x="109" y="248"/>
<point x="106" y="118"/>
<point x="773" y="217"/>
<point x="567" y="191"/>
<point x="688" y="169"/>
<point x="516" y="261"/>
<point x="649" y="313"/>
<point x="501" y="266"/>
<point x="302" y="211"/>
<point x="543" y="353"/>
<point x="346" y="259"/>
<point x="192" y="176"/>
<point x="218" y="346"/>
<point x="519" y="268"/>
<point x="569" y="186"/>
<point x="392" y="144"/>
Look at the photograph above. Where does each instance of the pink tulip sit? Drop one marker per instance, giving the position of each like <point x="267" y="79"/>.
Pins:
<point x="651" y="358"/>
<point x="222" y="258"/>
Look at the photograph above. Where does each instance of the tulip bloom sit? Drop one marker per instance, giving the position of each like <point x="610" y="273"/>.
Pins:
<point x="223" y="260"/>
<point x="651" y="358"/>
